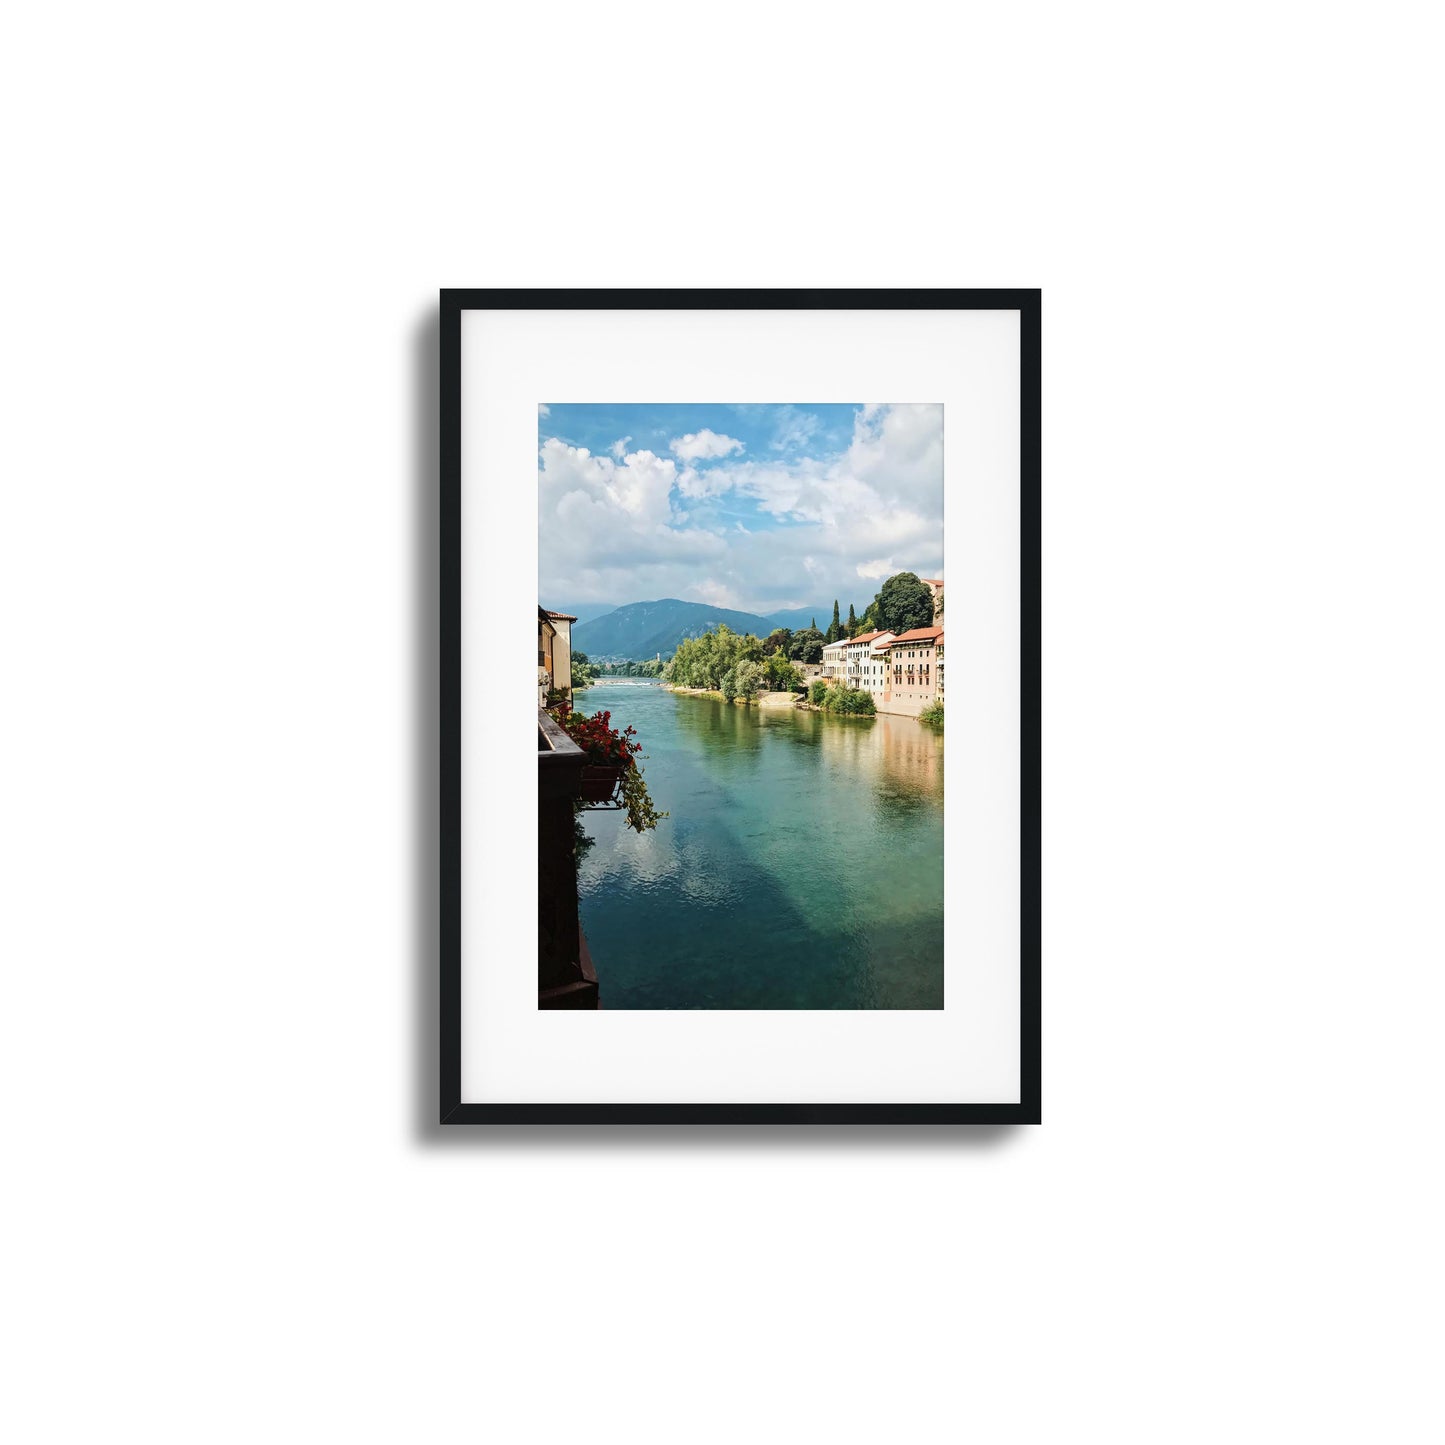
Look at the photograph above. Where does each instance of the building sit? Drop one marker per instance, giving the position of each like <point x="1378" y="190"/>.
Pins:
<point x="935" y="586"/>
<point x="865" y="662"/>
<point x="914" y="666"/>
<point x="835" y="660"/>
<point x="554" y="654"/>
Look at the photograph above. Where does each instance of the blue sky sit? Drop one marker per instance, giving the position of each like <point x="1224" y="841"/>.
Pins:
<point x="759" y="507"/>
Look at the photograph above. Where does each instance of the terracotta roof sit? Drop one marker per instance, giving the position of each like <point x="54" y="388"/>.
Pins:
<point x="918" y="635"/>
<point x="867" y="636"/>
<point x="560" y="616"/>
<point x="932" y="581"/>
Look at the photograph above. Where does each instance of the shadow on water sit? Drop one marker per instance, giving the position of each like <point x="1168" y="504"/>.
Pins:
<point x="800" y="866"/>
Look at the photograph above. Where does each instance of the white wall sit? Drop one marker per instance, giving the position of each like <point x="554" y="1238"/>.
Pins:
<point x="227" y="1216"/>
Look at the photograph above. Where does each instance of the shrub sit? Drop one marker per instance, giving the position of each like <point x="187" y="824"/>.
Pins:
<point x="932" y="714"/>
<point x="849" y="702"/>
<point x="817" y="692"/>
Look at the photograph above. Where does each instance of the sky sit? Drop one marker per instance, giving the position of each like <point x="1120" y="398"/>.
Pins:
<point x="757" y="507"/>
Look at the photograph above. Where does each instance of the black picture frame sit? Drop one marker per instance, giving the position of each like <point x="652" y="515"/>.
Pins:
<point x="453" y="1110"/>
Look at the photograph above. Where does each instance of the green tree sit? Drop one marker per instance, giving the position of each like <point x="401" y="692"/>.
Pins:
<point x="852" y="621"/>
<point x="807" y="646"/>
<point x="584" y="674"/>
<point x="780" y="639"/>
<point x="903" y="603"/>
<point x="749" y="676"/>
<point x="835" y="628"/>
<point x="781" y="673"/>
<point x="813" y="625"/>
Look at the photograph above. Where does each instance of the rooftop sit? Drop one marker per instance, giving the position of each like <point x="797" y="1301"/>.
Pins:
<point x="919" y="635"/>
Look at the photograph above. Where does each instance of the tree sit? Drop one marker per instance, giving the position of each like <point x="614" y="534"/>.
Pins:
<point x="749" y="678"/>
<point x="903" y="603"/>
<point x="728" y="685"/>
<point x="781" y="673"/>
<point x="780" y="639"/>
<point x="807" y="646"/>
<point x="852" y="621"/>
<point x="835" y="627"/>
<point x="584" y="674"/>
<point x="813" y="625"/>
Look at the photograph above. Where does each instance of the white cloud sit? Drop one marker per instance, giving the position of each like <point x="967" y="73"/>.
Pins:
<point x="619" y="448"/>
<point x="703" y="445"/>
<point x="543" y="409"/>
<point x="879" y="570"/>
<point x="613" y="530"/>
<point x="795" y="429"/>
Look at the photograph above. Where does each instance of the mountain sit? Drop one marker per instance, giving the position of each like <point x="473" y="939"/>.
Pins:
<point x="643" y="629"/>
<point x="796" y="618"/>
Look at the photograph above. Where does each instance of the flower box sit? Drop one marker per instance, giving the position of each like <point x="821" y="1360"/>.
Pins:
<point x="599" y="783"/>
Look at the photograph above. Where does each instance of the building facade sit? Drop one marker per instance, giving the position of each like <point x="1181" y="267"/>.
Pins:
<point x="835" y="660"/>
<point x="554" y="654"/>
<point x="914" y="666"/>
<point x="935" y="586"/>
<point x="864" y="660"/>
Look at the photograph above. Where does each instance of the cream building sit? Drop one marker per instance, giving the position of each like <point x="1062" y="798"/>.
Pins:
<point x="554" y="654"/>
<point x="865" y="665"/>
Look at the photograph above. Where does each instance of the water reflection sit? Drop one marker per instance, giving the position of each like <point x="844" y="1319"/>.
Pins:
<point x="801" y="866"/>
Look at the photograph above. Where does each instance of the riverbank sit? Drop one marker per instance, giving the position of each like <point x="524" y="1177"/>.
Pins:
<point x="763" y="700"/>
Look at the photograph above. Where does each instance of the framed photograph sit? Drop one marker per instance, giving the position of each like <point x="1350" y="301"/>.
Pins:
<point x="769" y="541"/>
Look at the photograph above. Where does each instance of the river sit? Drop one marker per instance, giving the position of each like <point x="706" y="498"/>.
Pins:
<point x="800" y="866"/>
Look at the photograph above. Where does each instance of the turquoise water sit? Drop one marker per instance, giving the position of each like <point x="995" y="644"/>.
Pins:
<point x="801" y="866"/>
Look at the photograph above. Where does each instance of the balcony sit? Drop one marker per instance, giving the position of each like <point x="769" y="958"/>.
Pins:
<point x="565" y="976"/>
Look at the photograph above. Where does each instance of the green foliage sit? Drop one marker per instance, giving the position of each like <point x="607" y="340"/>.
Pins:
<point x="817" y="692"/>
<point x="903" y="603"/>
<point x="781" y="674"/>
<point x="780" y="639"/>
<point x="807" y="646"/>
<point x="728" y="684"/>
<point x="932" y="714"/>
<point x="835" y="628"/>
<point x="637" y="801"/>
<point x="852" y="621"/>
<point x="749" y="676"/>
<point x="648" y="667"/>
<point x="584" y="674"/>
<point x="704" y="661"/>
<point x="849" y="701"/>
